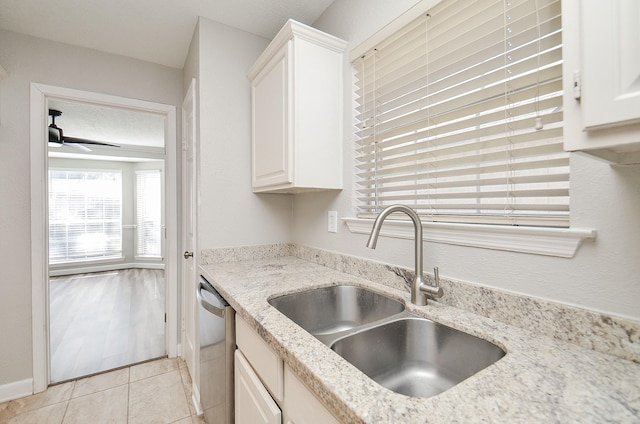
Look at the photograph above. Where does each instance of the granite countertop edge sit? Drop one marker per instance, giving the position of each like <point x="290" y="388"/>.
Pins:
<point x="539" y="379"/>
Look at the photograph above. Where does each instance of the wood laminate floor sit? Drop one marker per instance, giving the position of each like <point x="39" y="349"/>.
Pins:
<point x="102" y="321"/>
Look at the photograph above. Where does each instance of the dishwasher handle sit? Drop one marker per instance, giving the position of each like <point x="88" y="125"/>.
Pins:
<point x="208" y="306"/>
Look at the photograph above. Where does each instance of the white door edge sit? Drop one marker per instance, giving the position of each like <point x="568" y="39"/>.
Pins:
<point x="189" y="328"/>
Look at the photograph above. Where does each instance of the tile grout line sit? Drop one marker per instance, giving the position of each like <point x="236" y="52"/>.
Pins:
<point x="66" y="408"/>
<point x="128" y="394"/>
<point x="184" y="390"/>
<point x="74" y="385"/>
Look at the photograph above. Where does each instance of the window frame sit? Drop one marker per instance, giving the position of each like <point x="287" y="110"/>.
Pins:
<point x="548" y="241"/>
<point x="137" y="254"/>
<point x="105" y="258"/>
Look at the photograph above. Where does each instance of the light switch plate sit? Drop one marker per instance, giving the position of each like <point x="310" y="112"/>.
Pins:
<point x="332" y="221"/>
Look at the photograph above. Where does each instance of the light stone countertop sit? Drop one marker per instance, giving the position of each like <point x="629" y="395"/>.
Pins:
<point x="539" y="380"/>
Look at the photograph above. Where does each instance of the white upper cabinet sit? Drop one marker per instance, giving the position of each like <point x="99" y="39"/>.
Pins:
<point x="601" y="49"/>
<point x="611" y="62"/>
<point x="297" y="112"/>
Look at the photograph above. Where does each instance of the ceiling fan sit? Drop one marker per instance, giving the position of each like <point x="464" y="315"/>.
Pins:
<point x="56" y="136"/>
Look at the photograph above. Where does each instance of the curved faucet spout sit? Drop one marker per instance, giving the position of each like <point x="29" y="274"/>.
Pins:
<point x="419" y="288"/>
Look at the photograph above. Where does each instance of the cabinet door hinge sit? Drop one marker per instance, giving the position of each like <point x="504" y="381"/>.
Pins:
<point x="577" y="86"/>
<point x="165" y="318"/>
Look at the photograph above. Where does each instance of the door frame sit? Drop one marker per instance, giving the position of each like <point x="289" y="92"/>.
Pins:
<point x="40" y="93"/>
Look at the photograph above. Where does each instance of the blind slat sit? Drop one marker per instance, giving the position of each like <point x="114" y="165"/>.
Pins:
<point x="468" y="143"/>
<point x="469" y="183"/>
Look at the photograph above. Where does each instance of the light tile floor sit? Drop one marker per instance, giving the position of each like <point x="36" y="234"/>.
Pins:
<point x="153" y="392"/>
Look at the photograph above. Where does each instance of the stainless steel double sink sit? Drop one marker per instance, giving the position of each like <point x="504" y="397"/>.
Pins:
<point x="405" y="353"/>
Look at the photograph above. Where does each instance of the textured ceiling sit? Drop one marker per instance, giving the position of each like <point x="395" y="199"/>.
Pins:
<point x="107" y="124"/>
<point x="157" y="31"/>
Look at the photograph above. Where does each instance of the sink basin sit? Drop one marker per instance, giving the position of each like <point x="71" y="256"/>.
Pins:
<point x="333" y="309"/>
<point x="416" y="356"/>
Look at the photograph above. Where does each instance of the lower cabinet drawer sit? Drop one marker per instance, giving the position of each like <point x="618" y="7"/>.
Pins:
<point x="264" y="361"/>
<point x="253" y="404"/>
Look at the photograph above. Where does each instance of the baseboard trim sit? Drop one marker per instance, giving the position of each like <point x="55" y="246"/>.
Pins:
<point x="195" y="398"/>
<point x="16" y="390"/>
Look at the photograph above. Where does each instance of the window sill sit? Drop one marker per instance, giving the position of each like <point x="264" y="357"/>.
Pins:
<point x="148" y="258"/>
<point x="558" y="242"/>
<point x="86" y="262"/>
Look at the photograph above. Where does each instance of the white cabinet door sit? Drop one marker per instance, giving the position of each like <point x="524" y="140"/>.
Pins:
<point x="300" y="404"/>
<point x="253" y="404"/>
<point x="297" y="104"/>
<point x="611" y="62"/>
<point x="601" y="72"/>
<point x="262" y="359"/>
<point x="271" y="155"/>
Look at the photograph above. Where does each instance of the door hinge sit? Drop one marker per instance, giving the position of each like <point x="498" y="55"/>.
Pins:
<point x="165" y="318"/>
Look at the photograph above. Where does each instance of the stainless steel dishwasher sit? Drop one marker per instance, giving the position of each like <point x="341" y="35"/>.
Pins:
<point x="217" y="345"/>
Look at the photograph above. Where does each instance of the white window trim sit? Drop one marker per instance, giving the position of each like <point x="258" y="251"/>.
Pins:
<point x="546" y="241"/>
<point x="86" y="262"/>
<point x="137" y="255"/>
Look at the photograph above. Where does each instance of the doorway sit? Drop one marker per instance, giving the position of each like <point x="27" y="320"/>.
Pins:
<point x="42" y="97"/>
<point x="105" y="219"/>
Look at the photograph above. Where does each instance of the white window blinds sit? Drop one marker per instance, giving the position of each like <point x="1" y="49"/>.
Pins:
<point x="148" y="213"/>
<point x="85" y="215"/>
<point x="460" y="116"/>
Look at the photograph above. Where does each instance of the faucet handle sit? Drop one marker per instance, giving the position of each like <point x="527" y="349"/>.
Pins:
<point x="434" y="290"/>
<point x="436" y="279"/>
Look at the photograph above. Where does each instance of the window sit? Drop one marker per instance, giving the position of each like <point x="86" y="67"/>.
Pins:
<point x="460" y="116"/>
<point x="85" y="215"/>
<point x="148" y="213"/>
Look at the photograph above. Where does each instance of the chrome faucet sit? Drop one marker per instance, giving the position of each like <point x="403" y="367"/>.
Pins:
<point x="419" y="288"/>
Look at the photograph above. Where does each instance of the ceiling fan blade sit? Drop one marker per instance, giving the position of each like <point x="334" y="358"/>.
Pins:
<point x="56" y="136"/>
<point x="78" y="146"/>
<point x="76" y="140"/>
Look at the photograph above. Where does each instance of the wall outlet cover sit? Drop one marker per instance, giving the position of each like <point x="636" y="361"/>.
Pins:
<point x="332" y="221"/>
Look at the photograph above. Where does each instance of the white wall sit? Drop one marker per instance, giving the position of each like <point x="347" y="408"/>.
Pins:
<point x="229" y="214"/>
<point x="27" y="60"/>
<point x="604" y="275"/>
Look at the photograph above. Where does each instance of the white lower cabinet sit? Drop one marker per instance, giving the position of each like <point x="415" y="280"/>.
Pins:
<point x="253" y="404"/>
<point x="265" y="388"/>
<point x="301" y="405"/>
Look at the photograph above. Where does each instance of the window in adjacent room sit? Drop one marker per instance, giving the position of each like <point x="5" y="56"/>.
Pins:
<point x="460" y="116"/>
<point x="85" y="215"/>
<point x="149" y="213"/>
